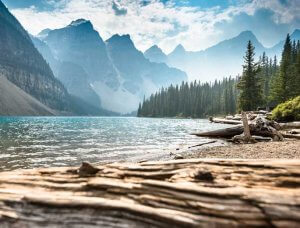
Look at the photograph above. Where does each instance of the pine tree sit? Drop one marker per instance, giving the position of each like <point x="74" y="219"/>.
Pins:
<point x="139" y="113"/>
<point x="283" y="81"/>
<point x="191" y="100"/>
<point x="250" y="84"/>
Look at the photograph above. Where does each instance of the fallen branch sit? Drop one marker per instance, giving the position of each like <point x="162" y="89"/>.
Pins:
<point x="202" y="144"/>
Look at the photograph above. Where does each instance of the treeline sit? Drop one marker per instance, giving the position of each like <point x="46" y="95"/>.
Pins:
<point x="264" y="83"/>
<point x="194" y="99"/>
<point x="286" y="83"/>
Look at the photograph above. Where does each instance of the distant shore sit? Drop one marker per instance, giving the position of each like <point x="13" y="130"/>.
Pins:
<point x="288" y="149"/>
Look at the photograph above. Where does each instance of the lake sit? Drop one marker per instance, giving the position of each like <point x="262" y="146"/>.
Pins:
<point x="28" y="142"/>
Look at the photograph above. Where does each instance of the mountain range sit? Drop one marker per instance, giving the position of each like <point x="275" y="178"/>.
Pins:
<point x="28" y="84"/>
<point x="73" y="71"/>
<point x="221" y="60"/>
<point x="111" y="74"/>
<point x="23" y="66"/>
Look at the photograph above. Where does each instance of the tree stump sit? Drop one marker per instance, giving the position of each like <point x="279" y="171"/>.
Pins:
<point x="246" y="136"/>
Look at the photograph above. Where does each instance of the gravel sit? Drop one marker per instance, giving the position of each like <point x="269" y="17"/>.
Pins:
<point x="289" y="149"/>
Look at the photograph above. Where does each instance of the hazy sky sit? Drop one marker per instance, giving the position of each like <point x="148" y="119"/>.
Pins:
<point x="197" y="24"/>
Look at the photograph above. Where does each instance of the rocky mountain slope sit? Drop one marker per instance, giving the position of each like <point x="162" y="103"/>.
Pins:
<point x="113" y="74"/>
<point x="155" y="54"/>
<point x="32" y="80"/>
<point x="23" y="65"/>
<point x="14" y="101"/>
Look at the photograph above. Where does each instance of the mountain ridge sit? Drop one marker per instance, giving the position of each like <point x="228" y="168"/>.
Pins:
<point x="116" y="71"/>
<point x="30" y="85"/>
<point x="24" y="66"/>
<point x="226" y="55"/>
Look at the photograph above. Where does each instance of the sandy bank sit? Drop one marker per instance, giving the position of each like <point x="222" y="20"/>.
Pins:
<point x="289" y="149"/>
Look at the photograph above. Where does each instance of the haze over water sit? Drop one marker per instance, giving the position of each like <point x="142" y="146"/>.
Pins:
<point x="28" y="142"/>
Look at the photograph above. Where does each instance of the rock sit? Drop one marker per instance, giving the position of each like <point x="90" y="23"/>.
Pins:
<point x="178" y="156"/>
<point x="87" y="169"/>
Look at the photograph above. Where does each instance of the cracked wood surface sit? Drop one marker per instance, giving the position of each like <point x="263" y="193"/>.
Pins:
<point x="181" y="193"/>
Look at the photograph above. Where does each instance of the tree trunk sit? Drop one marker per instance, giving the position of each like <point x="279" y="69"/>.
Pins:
<point x="182" y="193"/>
<point x="258" y="126"/>
<point x="246" y="136"/>
<point x="222" y="133"/>
<point x="225" y="121"/>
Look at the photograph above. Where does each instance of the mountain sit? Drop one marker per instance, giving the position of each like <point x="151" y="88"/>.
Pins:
<point x="111" y="74"/>
<point x="134" y="68"/>
<point x="140" y="76"/>
<point x="277" y="49"/>
<point x="73" y="76"/>
<point x="218" y="61"/>
<point x="23" y="65"/>
<point x="29" y="86"/>
<point x="221" y="60"/>
<point x="14" y="101"/>
<point x="75" y="80"/>
<point x="43" y="33"/>
<point x="79" y="43"/>
<point x="155" y="54"/>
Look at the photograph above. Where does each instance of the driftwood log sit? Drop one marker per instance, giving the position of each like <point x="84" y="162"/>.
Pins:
<point x="246" y="136"/>
<point x="225" y="121"/>
<point x="259" y="126"/>
<point x="291" y="125"/>
<point x="182" y="193"/>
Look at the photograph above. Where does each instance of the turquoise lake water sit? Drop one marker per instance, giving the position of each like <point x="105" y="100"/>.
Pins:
<point x="28" y="142"/>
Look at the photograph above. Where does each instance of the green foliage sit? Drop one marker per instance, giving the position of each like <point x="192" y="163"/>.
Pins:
<point x="288" y="111"/>
<point x="263" y="83"/>
<point x="286" y="84"/>
<point x="192" y="100"/>
<point x="250" y="84"/>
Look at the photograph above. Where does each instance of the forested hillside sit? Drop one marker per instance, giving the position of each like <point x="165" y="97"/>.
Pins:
<point x="23" y="65"/>
<point x="192" y="100"/>
<point x="262" y="84"/>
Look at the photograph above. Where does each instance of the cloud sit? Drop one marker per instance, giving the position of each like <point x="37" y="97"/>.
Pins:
<point x="168" y="23"/>
<point x="118" y="10"/>
<point x="261" y="22"/>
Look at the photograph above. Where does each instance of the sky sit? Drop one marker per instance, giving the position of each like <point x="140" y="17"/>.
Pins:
<point x="196" y="24"/>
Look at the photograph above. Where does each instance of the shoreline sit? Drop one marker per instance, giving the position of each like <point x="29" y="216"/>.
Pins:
<point x="288" y="149"/>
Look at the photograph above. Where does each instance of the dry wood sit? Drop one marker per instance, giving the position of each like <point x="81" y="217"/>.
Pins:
<point x="295" y="125"/>
<point x="181" y="193"/>
<point x="225" y="121"/>
<point x="247" y="133"/>
<point x="246" y="136"/>
<point x="291" y="136"/>
<point x="222" y="133"/>
<point x="202" y="144"/>
<point x="259" y="126"/>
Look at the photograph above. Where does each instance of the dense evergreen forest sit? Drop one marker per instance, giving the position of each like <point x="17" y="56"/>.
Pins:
<point x="264" y="83"/>
<point x="194" y="99"/>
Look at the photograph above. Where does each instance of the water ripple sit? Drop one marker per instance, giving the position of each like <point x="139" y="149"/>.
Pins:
<point x="28" y="142"/>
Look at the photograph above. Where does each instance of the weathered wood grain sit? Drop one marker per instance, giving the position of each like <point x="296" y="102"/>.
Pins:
<point x="181" y="193"/>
